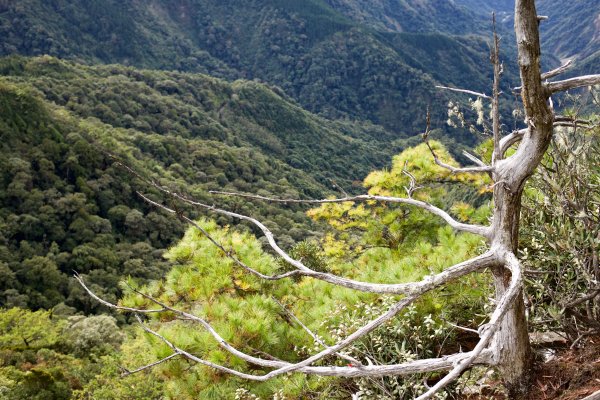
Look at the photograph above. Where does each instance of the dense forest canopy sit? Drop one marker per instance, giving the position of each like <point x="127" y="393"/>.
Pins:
<point x="66" y="206"/>
<point x="331" y="64"/>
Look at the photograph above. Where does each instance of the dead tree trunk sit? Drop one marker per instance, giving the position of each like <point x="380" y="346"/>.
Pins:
<point x="513" y="353"/>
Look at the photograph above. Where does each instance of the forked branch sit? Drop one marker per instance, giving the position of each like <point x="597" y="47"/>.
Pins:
<point x="554" y="72"/>
<point x="304" y="366"/>
<point x="488" y="330"/>
<point x="481" y="168"/>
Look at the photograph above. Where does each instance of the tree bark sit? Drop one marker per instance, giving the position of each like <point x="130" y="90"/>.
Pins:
<point x="513" y="350"/>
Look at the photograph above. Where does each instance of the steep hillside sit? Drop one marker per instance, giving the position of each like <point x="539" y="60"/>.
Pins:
<point x="573" y="30"/>
<point x="64" y="205"/>
<point x="486" y="7"/>
<point x="328" y="62"/>
<point x="412" y="16"/>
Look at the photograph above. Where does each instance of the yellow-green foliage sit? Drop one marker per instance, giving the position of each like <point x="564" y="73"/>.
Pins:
<point x="362" y="226"/>
<point x="21" y="328"/>
<point x="419" y="162"/>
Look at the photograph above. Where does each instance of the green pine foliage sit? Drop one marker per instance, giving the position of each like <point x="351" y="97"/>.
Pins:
<point x="241" y="307"/>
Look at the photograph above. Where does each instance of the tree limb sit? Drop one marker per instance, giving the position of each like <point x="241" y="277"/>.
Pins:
<point x="148" y="366"/>
<point x="554" y="72"/>
<point x="110" y="305"/>
<point x="557" y="71"/>
<point x="217" y="244"/>
<point x="316" y="338"/>
<point x="455" y="170"/>
<point x="477" y="94"/>
<point x="459" y="226"/>
<point x="511" y="139"/>
<point x="284" y="367"/>
<point x="573" y="83"/>
<point x="411" y="367"/>
<point x="474" y="159"/>
<point x="419" y="366"/>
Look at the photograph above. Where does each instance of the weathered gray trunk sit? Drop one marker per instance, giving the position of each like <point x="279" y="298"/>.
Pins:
<point x="513" y="351"/>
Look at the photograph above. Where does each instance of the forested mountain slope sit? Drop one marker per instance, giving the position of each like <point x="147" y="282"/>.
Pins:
<point x="572" y="30"/>
<point x="65" y="206"/>
<point x="486" y="7"/>
<point x="330" y="63"/>
<point x="414" y="16"/>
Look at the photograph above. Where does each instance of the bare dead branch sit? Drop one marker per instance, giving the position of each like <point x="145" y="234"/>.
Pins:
<point x="475" y="229"/>
<point x="474" y="159"/>
<point x="456" y="170"/>
<point x="127" y="372"/>
<point x="573" y="83"/>
<point x="316" y="338"/>
<point x="178" y="351"/>
<point x="222" y="343"/>
<point x="284" y="367"/>
<point x="573" y="122"/>
<point x="456" y="271"/>
<point x="227" y="253"/>
<point x="110" y="305"/>
<point x="408" y="368"/>
<point x="572" y="125"/>
<point x="557" y="71"/>
<point x="477" y="94"/>
<point x="462" y="328"/>
<point x="304" y="366"/>
<point x="413" y="186"/>
<point x="554" y="72"/>
<point x="459" y="226"/>
<point x="566" y="118"/>
<point x="518" y="135"/>
<point x="413" y="367"/>
<point x="511" y="139"/>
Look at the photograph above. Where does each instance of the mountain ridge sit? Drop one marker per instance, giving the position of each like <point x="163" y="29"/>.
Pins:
<point x="327" y="62"/>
